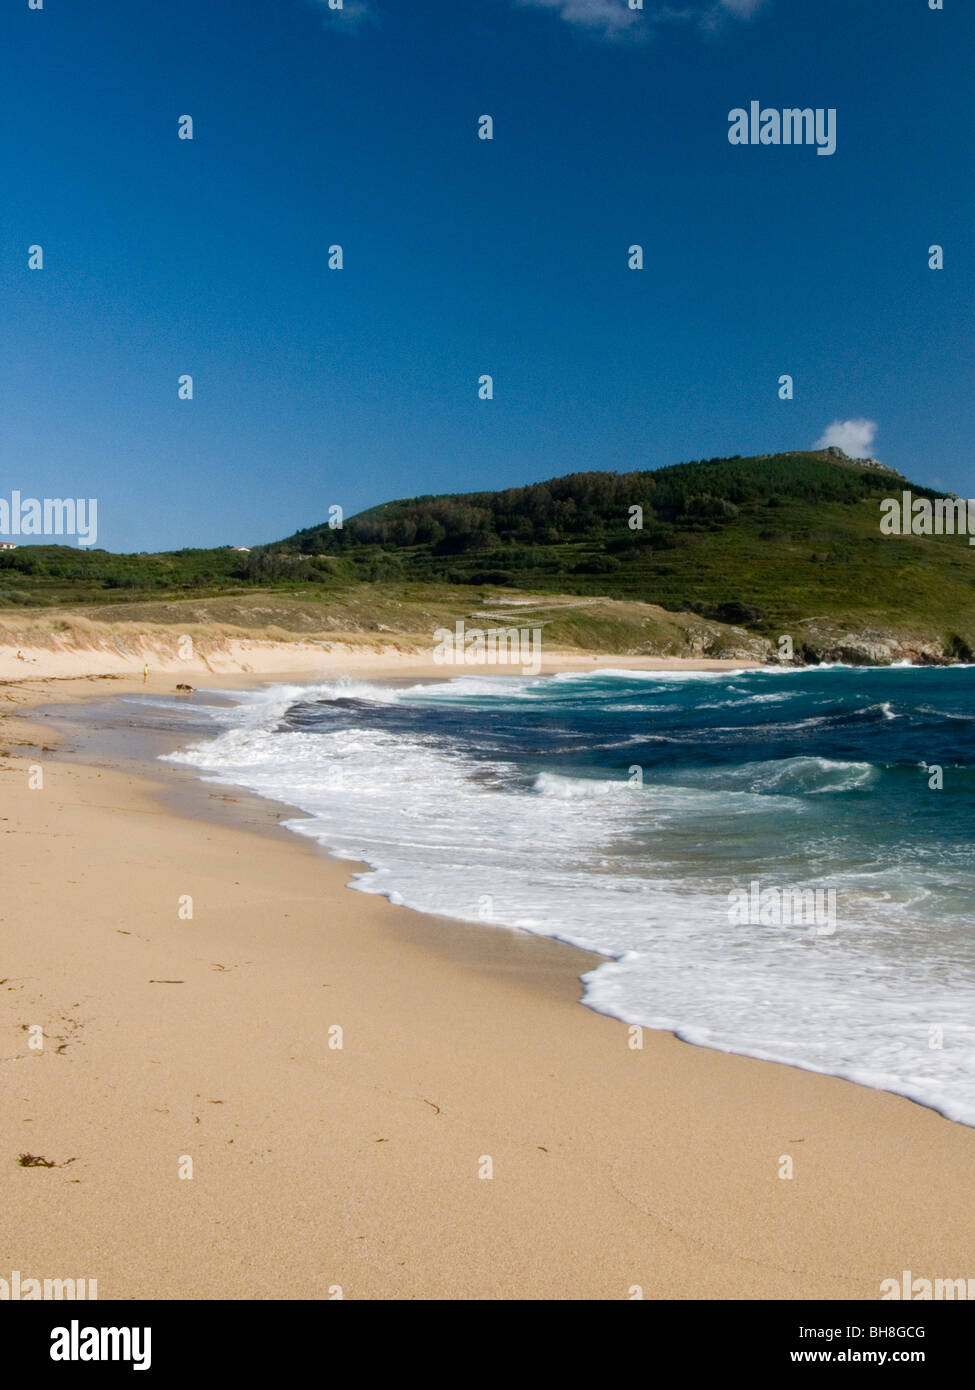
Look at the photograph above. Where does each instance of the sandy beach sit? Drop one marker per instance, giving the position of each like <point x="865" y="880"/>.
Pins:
<point x="477" y="1135"/>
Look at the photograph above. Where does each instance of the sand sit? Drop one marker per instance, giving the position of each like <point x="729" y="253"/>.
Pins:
<point x="408" y="656"/>
<point x="207" y="1045"/>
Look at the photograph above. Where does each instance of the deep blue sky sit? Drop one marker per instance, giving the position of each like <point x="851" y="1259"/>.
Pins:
<point x="316" y="387"/>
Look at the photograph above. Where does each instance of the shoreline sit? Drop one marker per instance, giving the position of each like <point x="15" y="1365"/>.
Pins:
<point x="665" y="1160"/>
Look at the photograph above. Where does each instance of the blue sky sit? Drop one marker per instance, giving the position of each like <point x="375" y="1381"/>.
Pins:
<point x="463" y="256"/>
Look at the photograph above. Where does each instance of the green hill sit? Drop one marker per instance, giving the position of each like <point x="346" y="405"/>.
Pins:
<point x="781" y="544"/>
<point x="785" y="544"/>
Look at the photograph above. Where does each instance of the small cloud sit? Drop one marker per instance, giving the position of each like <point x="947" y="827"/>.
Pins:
<point x="608" y="17"/>
<point x="350" y="14"/>
<point x="854" y="437"/>
<point x="615" y="19"/>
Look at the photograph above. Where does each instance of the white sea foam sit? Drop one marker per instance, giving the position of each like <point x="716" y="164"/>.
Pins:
<point x="626" y="870"/>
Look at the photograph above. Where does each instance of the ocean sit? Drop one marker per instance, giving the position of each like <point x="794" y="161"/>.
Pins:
<point x="666" y="820"/>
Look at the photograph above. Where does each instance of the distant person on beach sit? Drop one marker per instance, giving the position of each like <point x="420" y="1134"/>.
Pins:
<point x="145" y="674"/>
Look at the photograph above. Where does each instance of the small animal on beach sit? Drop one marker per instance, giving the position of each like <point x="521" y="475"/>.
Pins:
<point x="188" y="688"/>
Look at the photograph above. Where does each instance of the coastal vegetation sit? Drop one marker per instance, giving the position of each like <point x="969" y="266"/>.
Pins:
<point x="783" y="544"/>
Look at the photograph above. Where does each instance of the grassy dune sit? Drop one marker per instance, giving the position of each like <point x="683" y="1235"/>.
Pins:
<point x="731" y="556"/>
<point x="404" y="616"/>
